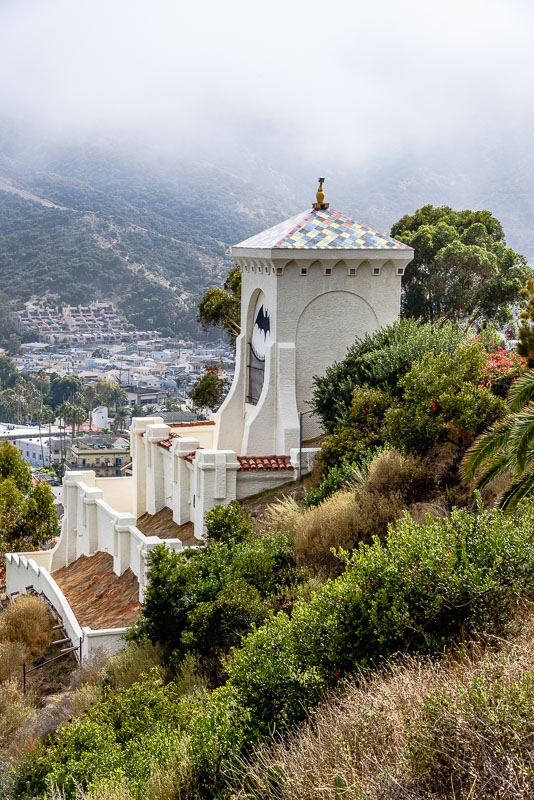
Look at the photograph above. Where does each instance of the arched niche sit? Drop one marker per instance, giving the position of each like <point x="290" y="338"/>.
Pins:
<point x="326" y="328"/>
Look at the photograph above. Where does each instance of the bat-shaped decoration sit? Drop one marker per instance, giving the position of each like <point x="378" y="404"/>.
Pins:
<point x="262" y="321"/>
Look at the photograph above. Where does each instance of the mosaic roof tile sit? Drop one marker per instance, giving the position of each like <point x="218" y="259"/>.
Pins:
<point x="320" y="229"/>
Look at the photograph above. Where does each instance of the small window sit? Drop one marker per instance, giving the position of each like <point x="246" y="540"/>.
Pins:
<point x="400" y="271"/>
<point x="352" y="271"/>
<point x="304" y="271"/>
<point x="328" y="271"/>
<point x="376" y="270"/>
<point x="97" y="461"/>
<point x="279" y="271"/>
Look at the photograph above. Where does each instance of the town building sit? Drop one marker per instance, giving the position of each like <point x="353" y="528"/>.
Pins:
<point x="105" y="455"/>
<point x="310" y="285"/>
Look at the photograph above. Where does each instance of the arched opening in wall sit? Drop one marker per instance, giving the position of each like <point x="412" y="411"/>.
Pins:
<point x="259" y="336"/>
<point x="327" y="327"/>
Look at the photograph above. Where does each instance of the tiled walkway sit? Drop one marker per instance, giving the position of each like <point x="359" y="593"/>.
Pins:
<point x="162" y="525"/>
<point x="98" y="597"/>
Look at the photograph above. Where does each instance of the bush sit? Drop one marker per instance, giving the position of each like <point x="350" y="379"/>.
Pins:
<point x="421" y="729"/>
<point x="27" y="621"/>
<point x="443" y="398"/>
<point x="342" y="477"/>
<point x="423" y="588"/>
<point x="380" y="360"/>
<point x="363" y="430"/>
<point x="228" y="522"/>
<point x="187" y="594"/>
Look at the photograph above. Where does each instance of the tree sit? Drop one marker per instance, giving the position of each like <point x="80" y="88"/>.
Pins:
<point x="110" y="393"/>
<point x="462" y="269"/>
<point x="28" y="517"/>
<point x="120" y="417"/>
<point x="13" y="345"/>
<point x="90" y="392"/>
<point x="8" y="372"/>
<point x="30" y="335"/>
<point x="208" y="391"/>
<point x="508" y="446"/>
<point x="63" y="388"/>
<point x="222" y="307"/>
<point x="526" y="331"/>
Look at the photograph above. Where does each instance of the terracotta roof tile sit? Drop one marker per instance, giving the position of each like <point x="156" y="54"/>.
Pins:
<point x="191" y="424"/>
<point x="264" y="463"/>
<point x="167" y="442"/>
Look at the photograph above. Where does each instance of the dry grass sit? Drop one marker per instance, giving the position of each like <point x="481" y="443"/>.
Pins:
<point x="27" y="620"/>
<point x="450" y="730"/>
<point x="125" y="667"/>
<point x="12" y="656"/>
<point x="342" y="521"/>
<point x="392" y="472"/>
<point x="15" y="707"/>
<point x="284" y="513"/>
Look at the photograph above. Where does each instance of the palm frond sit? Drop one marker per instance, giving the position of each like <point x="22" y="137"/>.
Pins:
<point x="498" y="465"/>
<point x="522" y="436"/>
<point x="521" y="392"/>
<point x="521" y="486"/>
<point x="485" y="447"/>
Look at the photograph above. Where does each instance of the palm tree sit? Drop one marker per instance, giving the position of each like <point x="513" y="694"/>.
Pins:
<point x="90" y="392"/>
<point x="507" y="446"/>
<point x="120" y="417"/>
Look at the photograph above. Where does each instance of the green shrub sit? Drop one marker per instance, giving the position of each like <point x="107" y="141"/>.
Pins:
<point x="341" y="477"/>
<point x="420" y="590"/>
<point x="228" y="522"/>
<point x="363" y="430"/>
<point x="443" y="399"/>
<point x="188" y="604"/>
<point x="380" y="360"/>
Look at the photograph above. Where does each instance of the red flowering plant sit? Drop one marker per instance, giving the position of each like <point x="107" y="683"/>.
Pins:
<point x="502" y="369"/>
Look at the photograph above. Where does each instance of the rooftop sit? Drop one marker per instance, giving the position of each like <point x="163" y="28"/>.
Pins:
<point x="319" y="229"/>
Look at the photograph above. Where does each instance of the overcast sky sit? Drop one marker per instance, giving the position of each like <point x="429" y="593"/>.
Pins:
<point x="347" y="78"/>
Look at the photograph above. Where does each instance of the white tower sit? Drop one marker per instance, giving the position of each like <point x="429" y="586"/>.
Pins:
<point x="310" y="285"/>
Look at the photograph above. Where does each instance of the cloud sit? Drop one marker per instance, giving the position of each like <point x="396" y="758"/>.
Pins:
<point x="344" y="81"/>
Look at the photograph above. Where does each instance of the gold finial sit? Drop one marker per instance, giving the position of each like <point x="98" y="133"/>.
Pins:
<point x="320" y="196"/>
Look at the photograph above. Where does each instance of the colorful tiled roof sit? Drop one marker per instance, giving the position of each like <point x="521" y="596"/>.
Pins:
<point x="264" y="463"/>
<point x="319" y="229"/>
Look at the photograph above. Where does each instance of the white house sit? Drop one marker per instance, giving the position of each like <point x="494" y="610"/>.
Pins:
<point x="310" y="285"/>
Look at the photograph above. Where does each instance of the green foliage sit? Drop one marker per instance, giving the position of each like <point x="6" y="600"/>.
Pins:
<point x="222" y="307"/>
<point x="380" y="360"/>
<point x="462" y="269"/>
<point x="363" y="432"/>
<point x="28" y="516"/>
<point x="208" y="391"/>
<point x="337" y="477"/>
<point x="63" y="388"/>
<point x="526" y="317"/>
<point x="205" y="601"/>
<point x="421" y="589"/>
<point x="443" y="398"/>
<point x="228" y="522"/>
<point x="506" y="447"/>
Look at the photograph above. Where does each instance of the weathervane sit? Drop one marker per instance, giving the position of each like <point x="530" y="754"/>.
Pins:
<point x="320" y="204"/>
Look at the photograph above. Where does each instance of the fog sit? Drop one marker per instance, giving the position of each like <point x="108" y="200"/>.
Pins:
<point x="326" y="83"/>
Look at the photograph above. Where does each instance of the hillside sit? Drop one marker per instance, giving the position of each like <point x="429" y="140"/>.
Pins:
<point x="91" y="225"/>
<point x="152" y="231"/>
